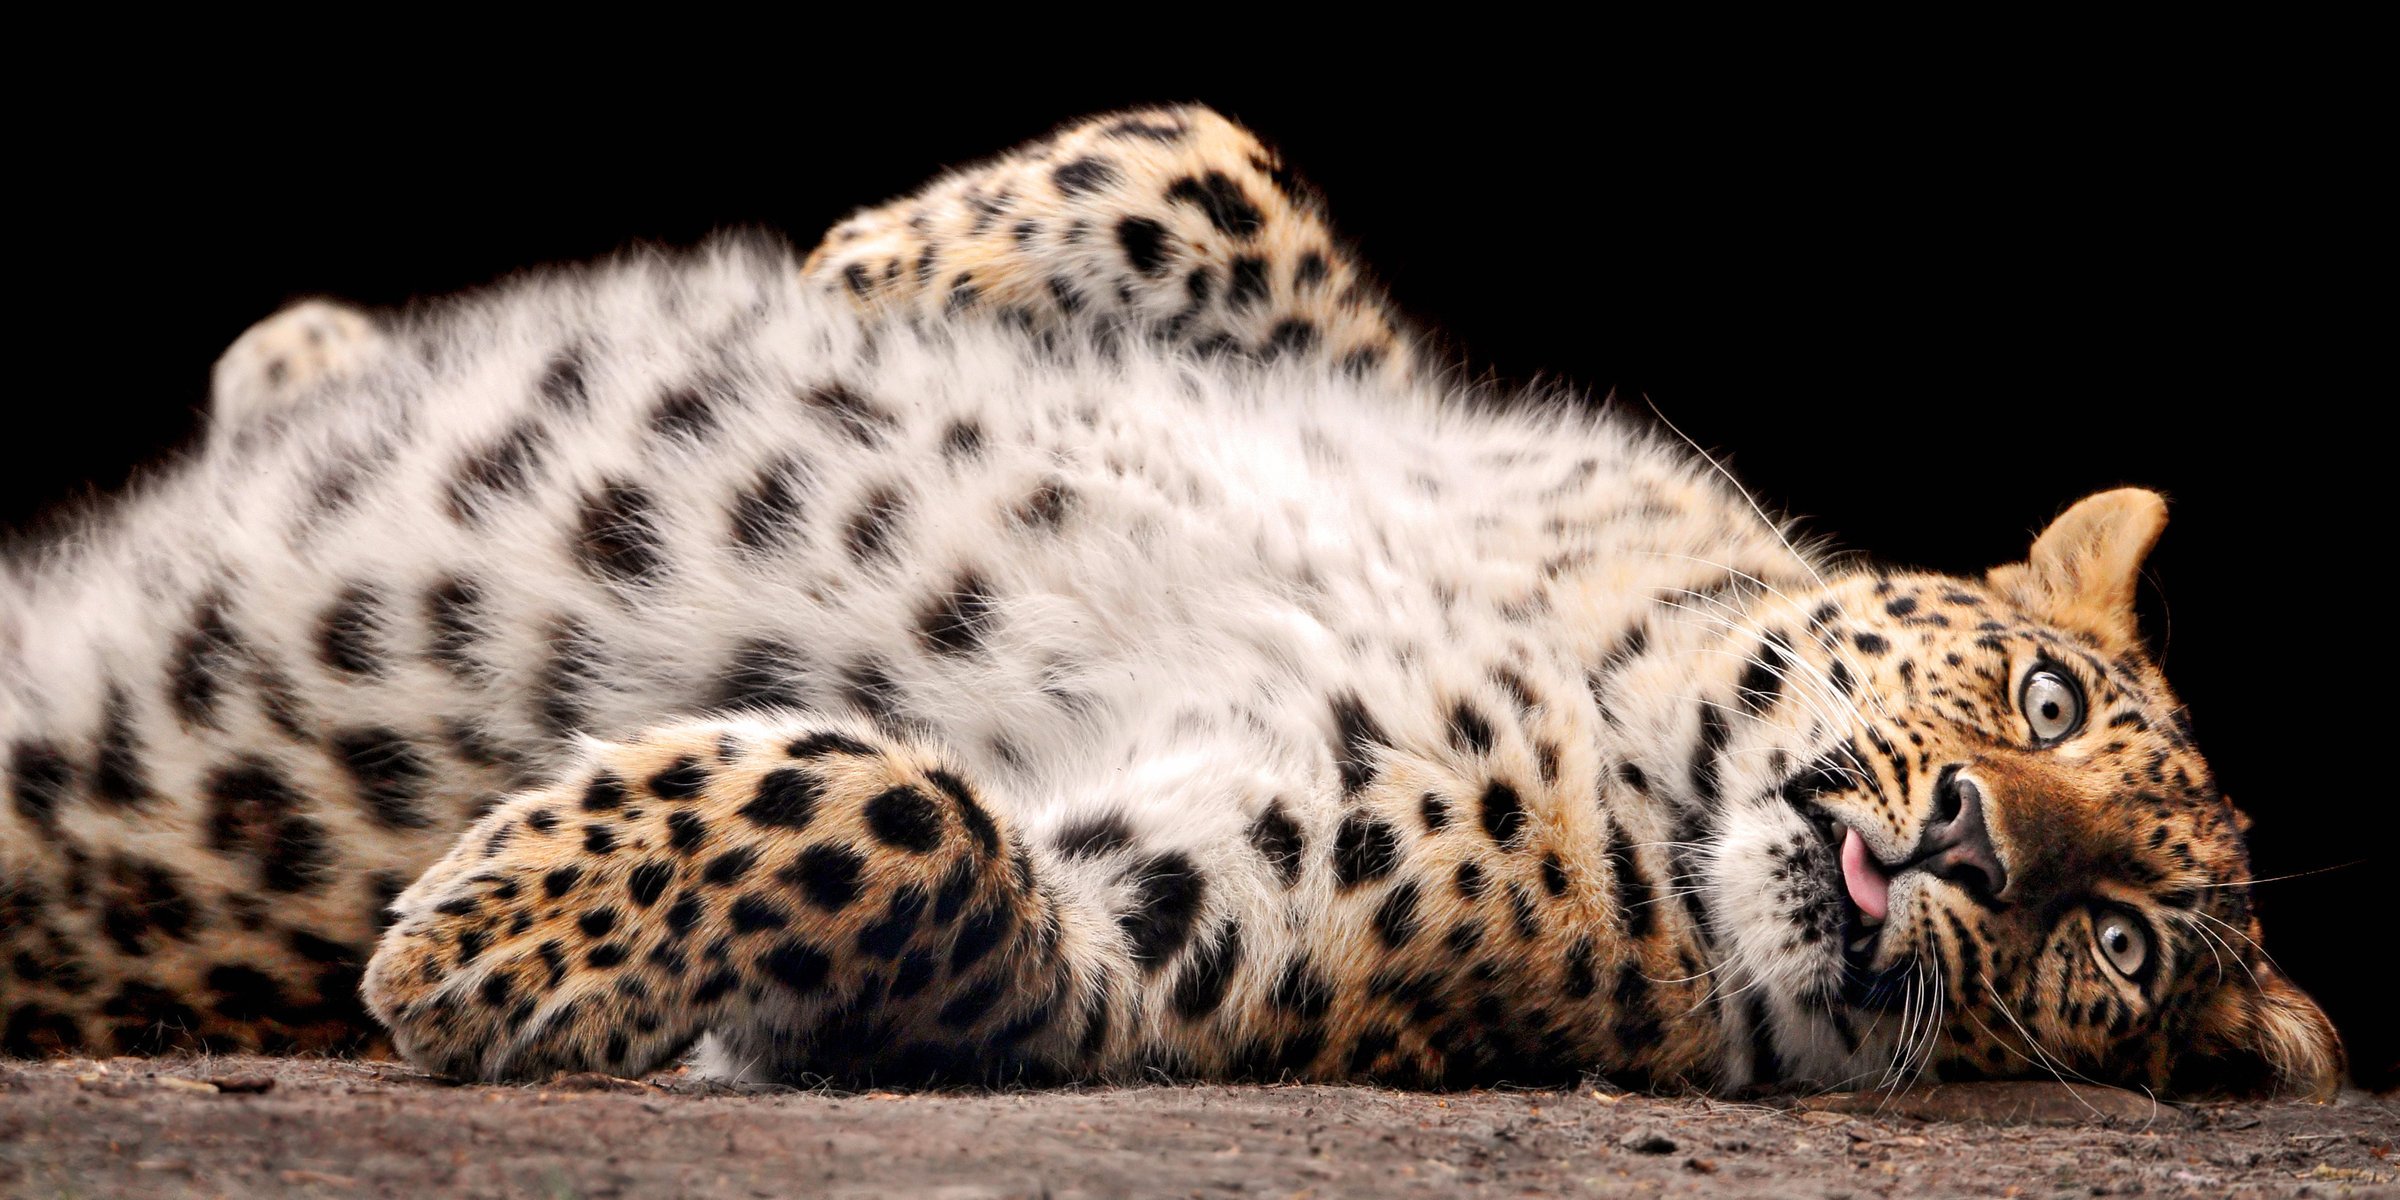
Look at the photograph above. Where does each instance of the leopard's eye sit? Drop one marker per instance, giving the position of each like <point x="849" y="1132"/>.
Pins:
<point x="2120" y="942"/>
<point x="2053" y="705"/>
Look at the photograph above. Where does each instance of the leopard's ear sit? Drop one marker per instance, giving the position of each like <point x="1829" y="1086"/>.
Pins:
<point x="2083" y="569"/>
<point x="2261" y="1037"/>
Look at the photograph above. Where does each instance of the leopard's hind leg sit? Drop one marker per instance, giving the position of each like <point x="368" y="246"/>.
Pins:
<point x="812" y="891"/>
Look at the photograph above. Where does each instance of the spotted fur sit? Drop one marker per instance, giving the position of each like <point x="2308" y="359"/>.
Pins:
<point x="285" y="357"/>
<point x="1176" y="221"/>
<point x="879" y="666"/>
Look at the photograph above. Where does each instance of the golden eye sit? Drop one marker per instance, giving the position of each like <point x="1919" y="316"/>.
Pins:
<point x="2120" y="941"/>
<point x="2053" y="705"/>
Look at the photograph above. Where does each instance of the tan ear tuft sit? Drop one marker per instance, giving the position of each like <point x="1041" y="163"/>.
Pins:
<point x="2083" y="569"/>
<point x="2297" y="1040"/>
<point x="2267" y="1040"/>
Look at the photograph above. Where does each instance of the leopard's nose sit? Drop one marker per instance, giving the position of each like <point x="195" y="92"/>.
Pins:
<point x="1957" y="843"/>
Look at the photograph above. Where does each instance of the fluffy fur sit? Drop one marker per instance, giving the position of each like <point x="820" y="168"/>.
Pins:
<point x="801" y="656"/>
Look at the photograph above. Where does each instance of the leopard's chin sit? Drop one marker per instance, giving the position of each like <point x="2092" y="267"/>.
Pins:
<point x="1869" y="983"/>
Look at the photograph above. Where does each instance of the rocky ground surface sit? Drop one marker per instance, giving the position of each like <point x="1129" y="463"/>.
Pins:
<point x="254" y="1127"/>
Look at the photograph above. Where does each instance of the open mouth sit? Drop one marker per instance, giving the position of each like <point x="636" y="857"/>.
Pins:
<point x="1869" y="889"/>
<point x="1865" y="888"/>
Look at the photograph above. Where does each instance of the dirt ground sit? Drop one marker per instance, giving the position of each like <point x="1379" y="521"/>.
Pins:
<point x="245" y="1127"/>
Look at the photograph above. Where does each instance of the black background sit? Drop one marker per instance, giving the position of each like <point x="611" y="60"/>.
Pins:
<point x="1925" y="307"/>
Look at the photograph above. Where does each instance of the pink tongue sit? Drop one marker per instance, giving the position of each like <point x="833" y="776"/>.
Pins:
<point x="1868" y="888"/>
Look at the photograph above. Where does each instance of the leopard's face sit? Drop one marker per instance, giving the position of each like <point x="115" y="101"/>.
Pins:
<point x="2004" y="854"/>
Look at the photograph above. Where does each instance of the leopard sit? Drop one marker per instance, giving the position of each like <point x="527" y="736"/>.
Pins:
<point x="1071" y="627"/>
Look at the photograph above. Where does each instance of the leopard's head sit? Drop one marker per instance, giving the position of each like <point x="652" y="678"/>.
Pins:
<point x="2000" y="852"/>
